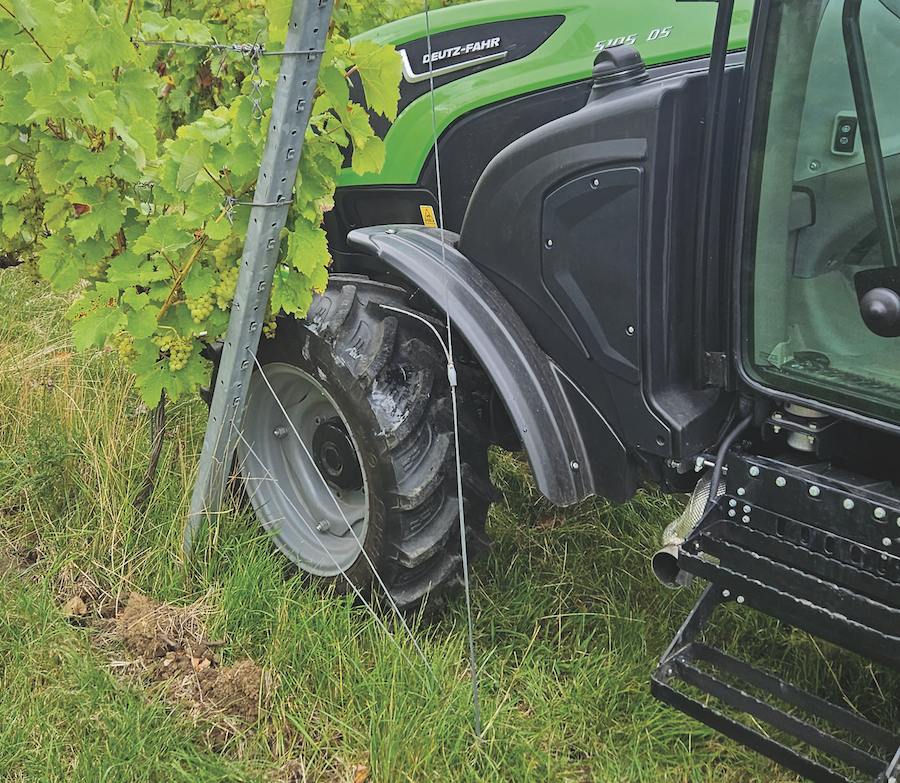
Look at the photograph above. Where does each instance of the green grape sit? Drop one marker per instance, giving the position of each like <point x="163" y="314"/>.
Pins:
<point x="270" y="323"/>
<point x="30" y="266"/>
<point x="227" y="250"/>
<point x="177" y="349"/>
<point x="124" y="344"/>
<point x="97" y="271"/>
<point x="202" y="307"/>
<point x="224" y="289"/>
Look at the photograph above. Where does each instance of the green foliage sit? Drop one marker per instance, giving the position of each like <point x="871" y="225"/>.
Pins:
<point x="118" y="159"/>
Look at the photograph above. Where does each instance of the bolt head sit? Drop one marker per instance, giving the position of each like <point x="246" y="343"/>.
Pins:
<point x="549" y="243"/>
<point x="390" y="231"/>
<point x="848" y="503"/>
<point x="732" y="512"/>
<point x="814" y="491"/>
<point x="574" y="465"/>
<point x="732" y="502"/>
<point x="629" y="329"/>
<point x="879" y="513"/>
<point x="745" y="519"/>
<point x="746" y="509"/>
<point x="886" y="541"/>
<point x="740" y="599"/>
<point x="754" y="471"/>
<point x="726" y="593"/>
<point x="741" y="491"/>
<point x="280" y="431"/>
<point x="780" y="481"/>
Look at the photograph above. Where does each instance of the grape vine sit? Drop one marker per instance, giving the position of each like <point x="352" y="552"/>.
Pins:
<point x="121" y="157"/>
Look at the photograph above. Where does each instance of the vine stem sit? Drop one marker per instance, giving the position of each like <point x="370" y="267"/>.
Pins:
<point x="219" y="184"/>
<point x="187" y="268"/>
<point x="118" y="69"/>
<point x="28" y="33"/>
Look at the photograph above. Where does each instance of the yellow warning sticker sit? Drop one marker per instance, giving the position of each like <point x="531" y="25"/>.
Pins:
<point x="428" y="216"/>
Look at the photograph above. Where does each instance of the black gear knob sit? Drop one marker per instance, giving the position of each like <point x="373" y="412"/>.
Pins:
<point x="880" y="311"/>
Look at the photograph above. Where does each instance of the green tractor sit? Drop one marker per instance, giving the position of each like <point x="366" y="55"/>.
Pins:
<point x="500" y="70"/>
<point x="662" y="259"/>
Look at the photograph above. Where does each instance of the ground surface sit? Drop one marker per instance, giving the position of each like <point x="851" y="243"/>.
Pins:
<point x="120" y="662"/>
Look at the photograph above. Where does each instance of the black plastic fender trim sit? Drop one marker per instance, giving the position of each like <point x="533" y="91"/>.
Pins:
<point x="523" y="375"/>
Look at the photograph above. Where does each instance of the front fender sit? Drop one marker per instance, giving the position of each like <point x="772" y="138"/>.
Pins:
<point x="526" y="379"/>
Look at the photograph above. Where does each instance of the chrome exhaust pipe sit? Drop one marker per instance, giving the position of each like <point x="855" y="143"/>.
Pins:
<point x="665" y="561"/>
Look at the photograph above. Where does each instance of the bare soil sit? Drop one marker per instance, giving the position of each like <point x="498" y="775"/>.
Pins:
<point x="169" y="648"/>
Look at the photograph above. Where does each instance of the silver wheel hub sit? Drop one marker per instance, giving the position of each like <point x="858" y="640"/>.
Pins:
<point x="302" y="471"/>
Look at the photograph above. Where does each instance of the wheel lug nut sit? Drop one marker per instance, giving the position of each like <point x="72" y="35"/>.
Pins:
<point x="280" y="432"/>
<point x="323" y="526"/>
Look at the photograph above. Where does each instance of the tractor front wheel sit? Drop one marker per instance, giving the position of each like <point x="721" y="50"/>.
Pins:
<point x="348" y="446"/>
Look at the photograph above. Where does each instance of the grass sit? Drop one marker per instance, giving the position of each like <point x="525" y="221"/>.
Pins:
<point x="568" y="621"/>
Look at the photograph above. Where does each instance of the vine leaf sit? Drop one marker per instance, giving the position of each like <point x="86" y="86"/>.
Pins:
<point x="379" y="68"/>
<point x="165" y="235"/>
<point x="192" y="164"/>
<point x="97" y="314"/>
<point x="55" y="263"/>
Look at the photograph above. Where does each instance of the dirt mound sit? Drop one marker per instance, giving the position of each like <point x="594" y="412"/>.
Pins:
<point x="170" y="647"/>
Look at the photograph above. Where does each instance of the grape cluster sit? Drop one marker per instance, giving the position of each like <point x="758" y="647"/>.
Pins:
<point x="202" y="307"/>
<point x="124" y="344"/>
<point x="269" y="322"/>
<point x="177" y="349"/>
<point x="228" y="249"/>
<point x="224" y="289"/>
<point x="30" y="267"/>
<point x="97" y="271"/>
<point x="33" y="208"/>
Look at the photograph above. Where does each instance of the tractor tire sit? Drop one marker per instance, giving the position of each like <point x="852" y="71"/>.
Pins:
<point x="365" y="390"/>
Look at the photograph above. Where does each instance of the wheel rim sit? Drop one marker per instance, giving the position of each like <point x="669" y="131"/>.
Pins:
<point x="307" y="515"/>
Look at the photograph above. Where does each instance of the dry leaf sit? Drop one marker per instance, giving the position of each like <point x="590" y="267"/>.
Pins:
<point x="360" y="773"/>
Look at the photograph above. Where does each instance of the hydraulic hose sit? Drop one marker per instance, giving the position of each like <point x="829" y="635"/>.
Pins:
<point x="716" y="477"/>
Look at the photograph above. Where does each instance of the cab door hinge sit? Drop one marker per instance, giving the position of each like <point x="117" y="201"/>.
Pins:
<point x="715" y="369"/>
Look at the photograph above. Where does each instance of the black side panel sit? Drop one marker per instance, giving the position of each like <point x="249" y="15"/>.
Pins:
<point x="373" y="205"/>
<point x="613" y="303"/>
<point x="590" y="263"/>
<point x="511" y="38"/>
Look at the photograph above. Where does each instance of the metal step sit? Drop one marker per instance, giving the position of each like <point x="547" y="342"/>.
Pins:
<point x="803" y="599"/>
<point x="683" y="661"/>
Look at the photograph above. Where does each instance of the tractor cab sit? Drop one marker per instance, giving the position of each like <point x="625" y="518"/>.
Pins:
<point x="820" y="304"/>
<point x="800" y="519"/>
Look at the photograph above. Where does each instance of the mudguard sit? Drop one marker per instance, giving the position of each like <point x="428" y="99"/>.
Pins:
<point x="529" y="383"/>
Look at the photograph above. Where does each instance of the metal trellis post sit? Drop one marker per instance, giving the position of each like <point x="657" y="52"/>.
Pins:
<point x="293" y="101"/>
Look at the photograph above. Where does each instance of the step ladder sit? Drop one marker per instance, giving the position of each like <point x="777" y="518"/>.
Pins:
<point x="816" y="548"/>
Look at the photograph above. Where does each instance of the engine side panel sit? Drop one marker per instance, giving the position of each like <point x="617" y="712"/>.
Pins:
<point x="612" y="301"/>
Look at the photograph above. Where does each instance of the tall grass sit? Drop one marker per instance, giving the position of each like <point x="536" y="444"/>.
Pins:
<point x="568" y="621"/>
